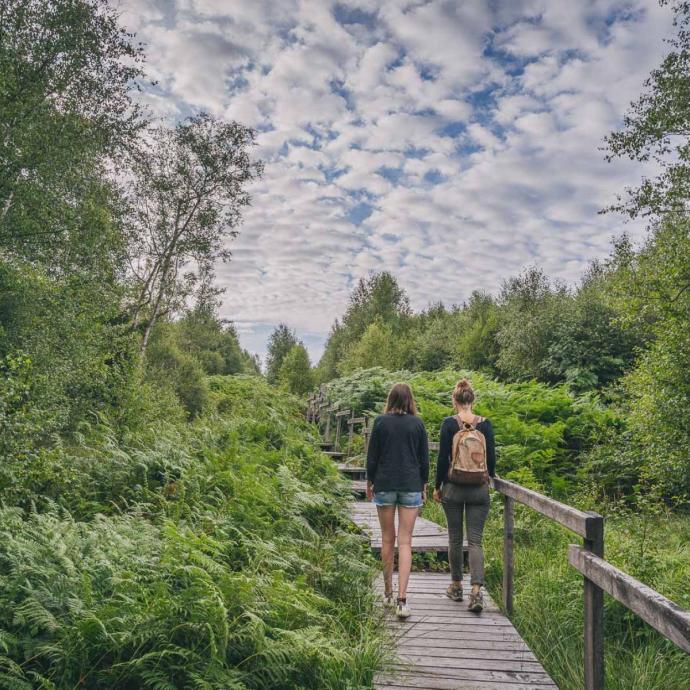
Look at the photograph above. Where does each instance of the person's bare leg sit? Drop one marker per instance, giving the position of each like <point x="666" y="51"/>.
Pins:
<point x="387" y="522"/>
<point x="406" y="520"/>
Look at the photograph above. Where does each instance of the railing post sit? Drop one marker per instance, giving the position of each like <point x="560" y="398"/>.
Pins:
<point x="350" y="433"/>
<point x="508" y="523"/>
<point x="594" y="610"/>
<point x="338" y="424"/>
<point x="327" y="434"/>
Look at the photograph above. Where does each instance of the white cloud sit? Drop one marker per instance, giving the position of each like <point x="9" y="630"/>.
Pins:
<point x="468" y="131"/>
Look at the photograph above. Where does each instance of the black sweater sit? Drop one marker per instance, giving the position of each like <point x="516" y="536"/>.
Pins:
<point x="449" y="428"/>
<point x="398" y="454"/>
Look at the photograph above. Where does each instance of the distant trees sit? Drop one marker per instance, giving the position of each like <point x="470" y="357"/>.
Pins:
<point x="281" y="341"/>
<point x="295" y="372"/>
<point x="287" y="361"/>
<point x="534" y="329"/>
<point x="377" y="299"/>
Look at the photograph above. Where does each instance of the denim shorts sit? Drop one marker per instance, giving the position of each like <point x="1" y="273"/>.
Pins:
<point x="406" y="499"/>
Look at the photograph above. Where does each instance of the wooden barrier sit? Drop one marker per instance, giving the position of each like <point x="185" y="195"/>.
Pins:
<point x="588" y="525"/>
<point x="661" y="613"/>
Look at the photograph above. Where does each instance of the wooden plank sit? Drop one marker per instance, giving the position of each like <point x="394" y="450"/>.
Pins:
<point x="444" y="646"/>
<point x="433" y="446"/>
<point x="356" y="420"/>
<point x="418" y="676"/>
<point x="444" y="664"/>
<point x="661" y="613"/>
<point x="352" y="469"/>
<point x="461" y="652"/>
<point x="476" y="685"/>
<point x="468" y="646"/>
<point x="575" y="520"/>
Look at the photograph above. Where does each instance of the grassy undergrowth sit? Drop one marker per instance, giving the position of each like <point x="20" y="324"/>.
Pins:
<point x="208" y="555"/>
<point x="541" y="432"/>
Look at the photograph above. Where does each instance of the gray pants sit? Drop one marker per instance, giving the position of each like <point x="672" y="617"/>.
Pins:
<point x="475" y="502"/>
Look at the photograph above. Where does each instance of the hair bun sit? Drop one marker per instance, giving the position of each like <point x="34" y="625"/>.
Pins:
<point x="463" y="393"/>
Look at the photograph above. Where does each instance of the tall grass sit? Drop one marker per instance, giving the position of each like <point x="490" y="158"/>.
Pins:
<point x="213" y="555"/>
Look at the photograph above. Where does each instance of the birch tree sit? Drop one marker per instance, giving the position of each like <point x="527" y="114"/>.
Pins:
<point x="185" y="200"/>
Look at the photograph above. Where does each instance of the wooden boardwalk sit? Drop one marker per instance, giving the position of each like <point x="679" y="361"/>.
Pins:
<point x="443" y="646"/>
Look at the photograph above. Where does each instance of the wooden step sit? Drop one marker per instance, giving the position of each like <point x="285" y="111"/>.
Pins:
<point x="335" y="454"/>
<point x="353" y="471"/>
<point x="359" y="487"/>
<point x="427" y="536"/>
<point x="325" y="444"/>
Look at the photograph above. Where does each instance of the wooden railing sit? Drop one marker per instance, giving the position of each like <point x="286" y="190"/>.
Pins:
<point x="599" y="576"/>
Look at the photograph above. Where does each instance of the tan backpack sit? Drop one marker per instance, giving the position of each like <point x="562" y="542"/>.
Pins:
<point x="468" y="459"/>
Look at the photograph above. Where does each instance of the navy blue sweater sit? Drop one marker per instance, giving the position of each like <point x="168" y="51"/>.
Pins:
<point x="398" y="454"/>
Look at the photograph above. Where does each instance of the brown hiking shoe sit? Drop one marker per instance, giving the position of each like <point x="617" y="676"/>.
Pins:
<point x="476" y="603"/>
<point x="454" y="592"/>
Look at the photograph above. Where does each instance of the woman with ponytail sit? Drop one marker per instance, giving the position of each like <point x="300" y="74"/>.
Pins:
<point x="464" y="488"/>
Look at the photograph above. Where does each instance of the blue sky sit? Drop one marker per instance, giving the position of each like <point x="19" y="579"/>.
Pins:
<point x="452" y="143"/>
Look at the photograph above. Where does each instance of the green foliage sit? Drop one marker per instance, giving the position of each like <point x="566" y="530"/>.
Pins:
<point x="376" y="347"/>
<point x="539" y="429"/>
<point x="67" y="325"/>
<point x="184" y="197"/>
<point x="211" y="555"/>
<point x="67" y="71"/>
<point x="376" y="303"/>
<point x="281" y="342"/>
<point x="656" y="128"/>
<point x="295" y="372"/>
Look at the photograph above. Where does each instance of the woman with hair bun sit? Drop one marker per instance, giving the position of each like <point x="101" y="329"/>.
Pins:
<point x="397" y="473"/>
<point x="466" y="460"/>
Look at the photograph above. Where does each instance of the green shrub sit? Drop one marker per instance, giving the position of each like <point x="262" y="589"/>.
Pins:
<point x="211" y="554"/>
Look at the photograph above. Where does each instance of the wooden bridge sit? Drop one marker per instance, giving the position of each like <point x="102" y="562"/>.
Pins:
<point x="443" y="646"/>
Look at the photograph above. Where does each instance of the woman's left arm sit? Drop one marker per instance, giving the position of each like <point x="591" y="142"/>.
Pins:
<point x="423" y="455"/>
<point x="490" y="448"/>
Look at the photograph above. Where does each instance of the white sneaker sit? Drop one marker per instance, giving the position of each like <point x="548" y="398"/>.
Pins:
<point x="388" y="601"/>
<point x="402" y="610"/>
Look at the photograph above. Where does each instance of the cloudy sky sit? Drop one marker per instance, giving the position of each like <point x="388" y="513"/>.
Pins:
<point x="450" y="142"/>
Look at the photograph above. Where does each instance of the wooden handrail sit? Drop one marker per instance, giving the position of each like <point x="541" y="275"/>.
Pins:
<point x="661" y="613"/>
<point x="578" y="521"/>
<point x="588" y="525"/>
